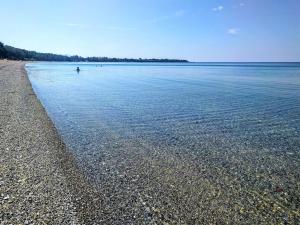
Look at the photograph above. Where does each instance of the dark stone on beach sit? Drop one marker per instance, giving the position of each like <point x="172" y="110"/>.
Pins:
<point x="279" y="189"/>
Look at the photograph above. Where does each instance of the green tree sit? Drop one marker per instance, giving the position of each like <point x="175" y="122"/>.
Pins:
<point x="3" y="53"/>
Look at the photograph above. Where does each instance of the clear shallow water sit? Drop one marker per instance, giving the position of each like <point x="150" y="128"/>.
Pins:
<point x="181" y="142"/>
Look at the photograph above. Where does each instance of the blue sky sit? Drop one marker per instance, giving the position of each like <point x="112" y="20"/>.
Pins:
<point x="211" y="30"/>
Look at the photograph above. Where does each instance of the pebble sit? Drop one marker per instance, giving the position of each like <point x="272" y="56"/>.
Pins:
<point x="6" y="197"/>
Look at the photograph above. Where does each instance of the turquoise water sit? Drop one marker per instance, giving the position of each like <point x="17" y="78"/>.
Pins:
<point x="187" y="130"/>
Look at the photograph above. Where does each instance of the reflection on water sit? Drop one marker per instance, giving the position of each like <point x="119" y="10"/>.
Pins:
<point x="181" y="143"/>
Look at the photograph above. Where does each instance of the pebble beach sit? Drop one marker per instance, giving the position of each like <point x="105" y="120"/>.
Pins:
<point x="130" y="181"/>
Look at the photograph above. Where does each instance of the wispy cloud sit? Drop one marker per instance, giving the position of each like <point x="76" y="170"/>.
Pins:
<point x="116" y="28"/>
<point x="180" y="13"/>
<point x="233" y="31"/>
<point x="242" y="4"/>
<point x="158" y="19"/>
<point x="218" y="9"/>
<point x="85" y="26"/>
<point x="73" y="25"/>
<point x="176" y="14"/>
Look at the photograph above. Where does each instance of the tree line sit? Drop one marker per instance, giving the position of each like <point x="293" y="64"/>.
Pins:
<point x="12" y="53"/>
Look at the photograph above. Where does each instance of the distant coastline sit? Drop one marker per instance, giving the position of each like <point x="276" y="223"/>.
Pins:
<point x="12" y="53"/>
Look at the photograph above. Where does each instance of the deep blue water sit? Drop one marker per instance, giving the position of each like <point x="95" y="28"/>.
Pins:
<point x="195" y="112"/>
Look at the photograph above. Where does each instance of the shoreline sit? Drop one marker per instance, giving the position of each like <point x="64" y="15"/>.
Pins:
<point x="39" y="180"/>
<point x="43" y="182"/>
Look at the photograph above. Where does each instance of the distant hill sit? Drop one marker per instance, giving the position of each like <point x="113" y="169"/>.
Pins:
<point x="9" y="52"/>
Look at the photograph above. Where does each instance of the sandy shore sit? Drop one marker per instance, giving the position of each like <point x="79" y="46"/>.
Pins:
<point x="39" y="182"/>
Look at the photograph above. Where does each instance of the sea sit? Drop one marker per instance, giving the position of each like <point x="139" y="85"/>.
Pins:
<point x="181" y="143"/>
